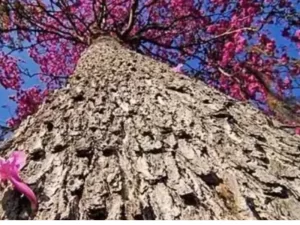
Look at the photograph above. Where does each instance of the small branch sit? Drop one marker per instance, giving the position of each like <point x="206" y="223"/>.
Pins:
<point x="224" y="72"/>
<point x="131" y="20"/>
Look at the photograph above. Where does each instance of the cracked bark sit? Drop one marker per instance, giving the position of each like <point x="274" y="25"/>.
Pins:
<point x="129" y="139"/>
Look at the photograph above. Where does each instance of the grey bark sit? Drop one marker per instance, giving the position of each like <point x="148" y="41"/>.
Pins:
<point x="130" y="139"/>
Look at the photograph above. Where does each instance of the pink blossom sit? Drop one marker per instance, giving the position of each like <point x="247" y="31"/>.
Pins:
<point x="178" y="68"/>
<point x="9" y="170"/>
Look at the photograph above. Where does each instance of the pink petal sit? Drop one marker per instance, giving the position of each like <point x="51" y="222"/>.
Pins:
<point x="177" y="69"/>
<point x="18" y="159"/>
<point x="26" y="190"/>
<point x="3" y="169"/>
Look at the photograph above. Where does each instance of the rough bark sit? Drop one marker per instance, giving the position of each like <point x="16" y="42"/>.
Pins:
<point x="129" y="139"/>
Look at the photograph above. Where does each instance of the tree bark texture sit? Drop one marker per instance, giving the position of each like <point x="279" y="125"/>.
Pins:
<point x="127" y="138"/>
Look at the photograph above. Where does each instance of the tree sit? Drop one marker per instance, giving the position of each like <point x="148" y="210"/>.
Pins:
<point x="127" y="138"/>
<point x="228" y="44"/>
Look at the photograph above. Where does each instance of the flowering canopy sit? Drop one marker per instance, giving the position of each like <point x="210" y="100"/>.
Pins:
<point x="246" y="48"/>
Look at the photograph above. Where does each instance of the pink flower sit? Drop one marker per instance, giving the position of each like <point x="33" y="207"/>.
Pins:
<point x="177" y="69"/>
<point x="9" y="170"/>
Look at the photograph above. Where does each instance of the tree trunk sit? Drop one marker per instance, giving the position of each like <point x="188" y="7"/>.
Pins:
<point x="129" y="139"/>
